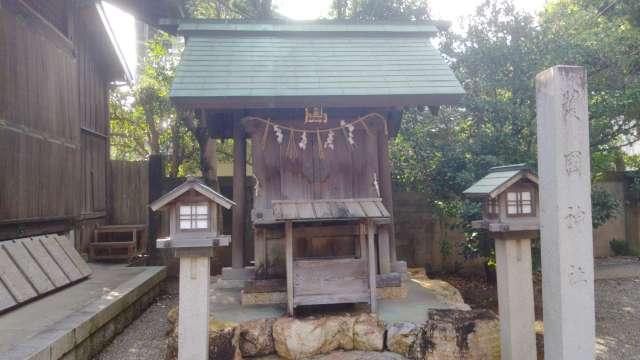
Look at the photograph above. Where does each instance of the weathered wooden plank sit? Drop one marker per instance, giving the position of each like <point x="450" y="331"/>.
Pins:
<point x="370" y="209"/>
<point x="28" y="265"/>
<point x="239" y="197"/>
<point x="330" y="277"/>
<point x="72" y="253"/>
<point x="386" y="187"/>
<point x="260" y="252"/>
<point x="305" y="211"/>
<point x="371" y="248"/>
<point x="14" y="280"/>
<point x="363" y="240"/>
<point x="322" y="209"/>
<point x="288" y="231"/>
<point x="289" y="211"/>
<point x="54" y="272"/>
<point x="355" y="209"/>
<point x="383" y="249"/>
<point x="6" y="299"/>
<point x="60" y="257"/>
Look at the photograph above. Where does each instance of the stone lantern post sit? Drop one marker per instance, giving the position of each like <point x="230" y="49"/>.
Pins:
<point x="193" y="233"/>
<point x="510" y="214"/>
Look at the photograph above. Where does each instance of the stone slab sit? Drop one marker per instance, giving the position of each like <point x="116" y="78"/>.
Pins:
<point x="246" y="273"/>
<point x="6" y="299"/>
<point x="55" y="273"/>
<point x="73" y="254"/>
<point x="231" y="284"/>
<point x="14" y="280"/>
<point x="60" y="256"/>
<point x="29" y="267"/>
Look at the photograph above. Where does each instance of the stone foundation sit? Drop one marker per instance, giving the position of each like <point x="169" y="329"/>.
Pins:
<point x="447" y="334"/>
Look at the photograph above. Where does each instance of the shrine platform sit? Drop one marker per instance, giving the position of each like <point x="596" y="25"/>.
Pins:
<point x="422" y="294"/>
<point x="79" y="320"/>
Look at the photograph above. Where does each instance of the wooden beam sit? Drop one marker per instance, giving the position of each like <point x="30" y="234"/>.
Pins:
<point x="386" y="190"/>
<point x="372" y="264"/>
<point x="383" y="249"/>
<point x="260" y="252"/>
<point x="239" y="178"/>
<point x="288" y="234"/>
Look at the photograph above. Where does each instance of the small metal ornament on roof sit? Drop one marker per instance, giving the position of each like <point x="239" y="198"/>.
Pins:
<point x="315" y="115"/>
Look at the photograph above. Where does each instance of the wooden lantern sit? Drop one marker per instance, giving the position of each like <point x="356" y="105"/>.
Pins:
<point x="193" y="212"/>
<point x="510" y="199"/>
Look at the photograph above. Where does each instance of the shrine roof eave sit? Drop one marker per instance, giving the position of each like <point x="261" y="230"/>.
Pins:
<point x="331" y="101"/>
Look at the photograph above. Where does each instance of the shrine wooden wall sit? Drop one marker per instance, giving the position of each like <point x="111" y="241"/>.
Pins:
<point x="53" y="117"/>
<point x="345" y="172"/>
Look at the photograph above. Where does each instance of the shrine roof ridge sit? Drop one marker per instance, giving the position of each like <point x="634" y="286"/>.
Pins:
<point x="306" y="28"/>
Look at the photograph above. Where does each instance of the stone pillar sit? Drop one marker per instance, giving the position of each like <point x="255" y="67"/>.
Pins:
<point x="565" y="213"/>
<point x="193" y="313"/>
<point x="515" y="299"/>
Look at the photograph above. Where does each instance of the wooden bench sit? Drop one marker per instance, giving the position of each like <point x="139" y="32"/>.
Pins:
<point x="117" y="242"/>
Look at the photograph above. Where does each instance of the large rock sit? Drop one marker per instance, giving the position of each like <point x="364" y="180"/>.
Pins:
<point x="457" y="334"/>
<point x="303" y="338"/>
<point x="368" y="333"/>
<point x="401" y="338"/>
<point x="359" y="355"/>
<point x="255" y="338"/>
<point x="445" y="292"/>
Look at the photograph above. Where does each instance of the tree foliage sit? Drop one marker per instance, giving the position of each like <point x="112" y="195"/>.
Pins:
<point x="388" y="10"/>
<point x="497" y="60"/>
<point x="143" y="121"/>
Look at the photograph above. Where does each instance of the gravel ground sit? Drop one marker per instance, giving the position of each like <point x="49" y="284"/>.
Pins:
<point x="146" y="337"/>
<point x="618" y="319"/>
<point x="617" y="324"/>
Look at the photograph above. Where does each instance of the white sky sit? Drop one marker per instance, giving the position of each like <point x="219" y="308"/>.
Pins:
<point x="452" y="10"/>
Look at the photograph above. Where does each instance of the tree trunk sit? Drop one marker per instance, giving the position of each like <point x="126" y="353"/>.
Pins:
<point x="209" y="162"/>
<point x="154" y="135"/>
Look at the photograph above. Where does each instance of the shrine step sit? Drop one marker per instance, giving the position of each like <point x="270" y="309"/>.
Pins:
<point x="235" y="278"/>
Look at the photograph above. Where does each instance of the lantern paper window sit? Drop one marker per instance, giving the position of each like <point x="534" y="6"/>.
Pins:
<point x="492" y="206"/>
<point x="519" y="203"/>
<point x="194" y="217"/>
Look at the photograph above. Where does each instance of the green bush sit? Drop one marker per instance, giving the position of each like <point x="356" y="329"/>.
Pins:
<point x="622" y="248"/>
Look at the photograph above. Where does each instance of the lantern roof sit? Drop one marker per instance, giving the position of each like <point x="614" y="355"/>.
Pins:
<point x="499" y="179"/>
<point x="195" y="184"/>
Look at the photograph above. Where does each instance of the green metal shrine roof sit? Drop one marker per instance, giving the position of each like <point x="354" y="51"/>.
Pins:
<point x="498" y="179"/>
<point x="245" y="65"/>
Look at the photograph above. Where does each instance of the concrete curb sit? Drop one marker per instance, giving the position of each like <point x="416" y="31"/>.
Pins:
<point x="73" y="336"/>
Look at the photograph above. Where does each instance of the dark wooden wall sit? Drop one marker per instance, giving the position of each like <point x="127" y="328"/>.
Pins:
<point x="345" y="172"/>
<point x="53" y="116"/>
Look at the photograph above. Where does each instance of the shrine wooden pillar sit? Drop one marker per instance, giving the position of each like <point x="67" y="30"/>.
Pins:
<point x="239" y="190"/>
<point x="386" y="190"/>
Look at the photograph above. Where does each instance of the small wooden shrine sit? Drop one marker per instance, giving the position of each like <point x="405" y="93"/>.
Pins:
<point x="318" y="102"/>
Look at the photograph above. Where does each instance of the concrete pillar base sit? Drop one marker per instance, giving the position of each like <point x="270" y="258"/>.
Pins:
<point x="193" y="313"/>
<point x="515" y="299"/>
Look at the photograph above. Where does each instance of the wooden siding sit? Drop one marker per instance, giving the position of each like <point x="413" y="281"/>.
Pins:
<point x="54" y="11"/>
<point x="53" y="113"/>
<point x="345" y="172"/>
